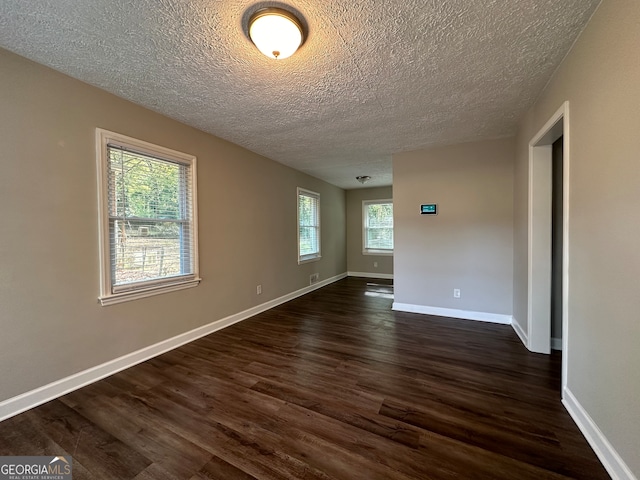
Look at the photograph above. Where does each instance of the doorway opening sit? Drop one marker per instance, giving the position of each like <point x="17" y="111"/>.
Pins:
<point x="547" y="319"/>
<point x="556" y="243"/>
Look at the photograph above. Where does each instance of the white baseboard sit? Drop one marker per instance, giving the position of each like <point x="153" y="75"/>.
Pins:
<point x="451" y="312"/>
<point x="556" y="343"/>
<point x="518" y="329"/>
<point x="20" y="403"/>
<point x="613" y="463"/>
<point x="388" y="276"/>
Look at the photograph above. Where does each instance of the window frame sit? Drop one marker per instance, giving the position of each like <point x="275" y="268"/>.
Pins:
<point x="365" y="249"/>
<point x="109" y="293"/>
<point x="312" y="257"/>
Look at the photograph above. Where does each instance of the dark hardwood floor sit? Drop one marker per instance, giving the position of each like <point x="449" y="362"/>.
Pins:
<point x="333" y="385"/>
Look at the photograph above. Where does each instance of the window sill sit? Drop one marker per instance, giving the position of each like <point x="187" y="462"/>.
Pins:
<point x="309" y="259"/>
<point x="383" y="253"/>
<point x="115" y="298"/>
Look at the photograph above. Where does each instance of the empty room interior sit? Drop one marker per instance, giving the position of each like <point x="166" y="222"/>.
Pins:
<point x="396" y="248"/>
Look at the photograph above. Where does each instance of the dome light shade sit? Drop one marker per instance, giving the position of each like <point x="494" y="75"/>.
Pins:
<point x="276" y="32"/>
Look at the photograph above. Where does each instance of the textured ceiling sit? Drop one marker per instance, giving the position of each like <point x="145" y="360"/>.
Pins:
<point x="373" y="78"/>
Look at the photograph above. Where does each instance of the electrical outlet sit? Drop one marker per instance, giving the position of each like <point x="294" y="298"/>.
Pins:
<point x="313" y="278"/>
<point x="375" y="264"/>
<point x="456" y="293"/>
<point x="259" y="289"/>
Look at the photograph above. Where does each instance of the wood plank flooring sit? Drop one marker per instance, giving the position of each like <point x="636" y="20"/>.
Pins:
<point x="333" y="385"/>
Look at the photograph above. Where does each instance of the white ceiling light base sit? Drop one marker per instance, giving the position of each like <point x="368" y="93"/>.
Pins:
<point x="276" y="32"/>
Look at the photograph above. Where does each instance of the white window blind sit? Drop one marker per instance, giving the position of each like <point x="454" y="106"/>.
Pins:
<point x="149" y="227"/>
<point x="308" y="225"/>
<point x="378" y="226"/>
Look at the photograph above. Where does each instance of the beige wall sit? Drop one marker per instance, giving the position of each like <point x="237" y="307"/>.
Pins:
<point x="50" y="321"/>
<point x="357" y="262"/>
<point x="601" y="80"/>
<point x="469" y="244"/>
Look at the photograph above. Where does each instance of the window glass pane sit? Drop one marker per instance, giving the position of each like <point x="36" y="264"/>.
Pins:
<point x="308" y="240"/>
<point x="308" y="224"/>
<point x="307" y="211"/>
<point x="143" y="186"/>
<point x="380" y="215"/>
<point x="149" y="210"/>
<point x="380" y="238"/>
<point x="378" y="226"/>
<point x="143" y="251"/>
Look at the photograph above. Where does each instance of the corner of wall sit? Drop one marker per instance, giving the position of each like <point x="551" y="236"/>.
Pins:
<point x="520" y="331"/>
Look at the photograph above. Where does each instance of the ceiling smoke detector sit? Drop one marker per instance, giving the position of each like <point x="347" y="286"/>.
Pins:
<point x="363" y="178"/>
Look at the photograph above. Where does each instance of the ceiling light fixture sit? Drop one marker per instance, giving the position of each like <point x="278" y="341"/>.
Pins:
<point x="276" y="32"/>
<point x="363" y="178"/>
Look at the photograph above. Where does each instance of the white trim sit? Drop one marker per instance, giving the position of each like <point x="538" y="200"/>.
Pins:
<point x="611" y="460"/>
<point x="108" y="293"/>
<point x="539" y="148"/>
<point x="310" y="257"/>
<point x="103" y="217"/>
<point x="453" y="313"/>
<point x="539" y="249"/>
<point x="518" y="329"/>
<point x="148" y="292"/>
<point x="372" y="251"/>
<point x="556" y="343"/>
<point x="386" y="276"/>
<point x="566" y="168"/>
<point x="21" y="403"/>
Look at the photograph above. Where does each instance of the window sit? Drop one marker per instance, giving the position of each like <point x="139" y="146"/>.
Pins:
<point x="377" y="232"/>
<point x="308" y="225"/>
<point x="148" y="221"/>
